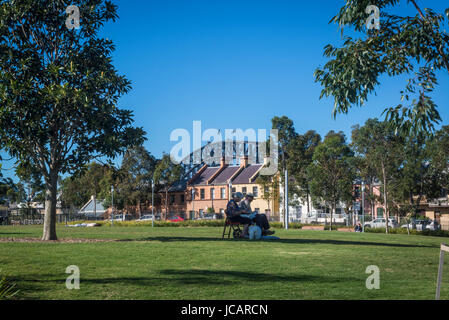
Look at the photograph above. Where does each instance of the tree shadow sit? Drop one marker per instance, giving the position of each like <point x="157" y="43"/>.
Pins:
<point x="174" y="277"/>
<point x="224" y="277"/>
<point x="288" y="241"/>
<point x="2" y="233"/>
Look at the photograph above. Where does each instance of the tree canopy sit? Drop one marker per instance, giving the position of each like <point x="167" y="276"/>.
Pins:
<point x="415" y="46"/>
<point x="59" y="91"/>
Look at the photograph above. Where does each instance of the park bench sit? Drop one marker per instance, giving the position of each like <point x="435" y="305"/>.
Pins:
<point x="313" y="228"/>
<point x="231" y="226"/>
<point x="346" y="229"/>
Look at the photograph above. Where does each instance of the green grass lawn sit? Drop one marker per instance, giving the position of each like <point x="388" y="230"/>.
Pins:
<point x="193" y="263"/>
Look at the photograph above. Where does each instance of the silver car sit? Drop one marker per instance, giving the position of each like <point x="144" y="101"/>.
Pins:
<point x="381" y="223"/>
<point x="146" y="217"/>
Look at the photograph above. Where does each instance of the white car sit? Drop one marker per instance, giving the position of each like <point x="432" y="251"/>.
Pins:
<point x="381" y="223"/>
<point x="146" y="217"/>
<point x="433" y="226"/>
<point x="418" y="225"/>
<point x="119" y="217"/>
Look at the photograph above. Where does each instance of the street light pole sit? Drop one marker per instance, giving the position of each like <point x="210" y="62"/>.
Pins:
<point x="363" y="206"/>
<point x="286" y="217"/>
<point x="112" y="211"/>
<point x="193" y="202"/>
<point x="152" y="203"/>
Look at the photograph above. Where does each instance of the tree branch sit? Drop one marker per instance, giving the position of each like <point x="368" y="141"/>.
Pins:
<point x="440" y="51"/>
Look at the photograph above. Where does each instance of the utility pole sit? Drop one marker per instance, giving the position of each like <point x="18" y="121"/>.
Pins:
<point x="152" y="203"/>
<point x="363" y="206"/>
<point x="112" y="209"/>
<point x="193" y="202"/>
<point x="286" y="201"/>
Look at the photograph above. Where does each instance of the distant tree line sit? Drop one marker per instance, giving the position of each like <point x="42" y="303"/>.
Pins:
<point x="409" y="168"/>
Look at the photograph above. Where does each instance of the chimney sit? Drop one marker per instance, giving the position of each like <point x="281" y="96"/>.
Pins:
<point x="266" y="160"/>
<point x="222" y="162"/>
<point x="244" y="161"/>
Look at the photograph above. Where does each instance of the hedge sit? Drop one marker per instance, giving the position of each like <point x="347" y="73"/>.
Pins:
<point x="277" y="225"/>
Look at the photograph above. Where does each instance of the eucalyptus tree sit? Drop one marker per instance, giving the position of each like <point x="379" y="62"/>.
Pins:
<point x="415" y="46"/>
<point x="166" y="174"/>
<point x="383" y="150"/>
<point x="136" y="175"/>
<point x="59" y="90"/>
<point x="331" y="172"/>
<point x="300" y="157"/>
<point x="270" y="188"/>
<point x="438" y="157"/>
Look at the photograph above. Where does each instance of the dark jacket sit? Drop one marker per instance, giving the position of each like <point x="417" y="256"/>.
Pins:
<point x="232" y="209"/>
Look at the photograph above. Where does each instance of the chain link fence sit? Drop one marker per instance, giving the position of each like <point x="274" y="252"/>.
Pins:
<point x="35" y="216"/>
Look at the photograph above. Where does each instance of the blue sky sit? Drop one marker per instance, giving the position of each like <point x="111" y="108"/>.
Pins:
<point x="235" y="64"/>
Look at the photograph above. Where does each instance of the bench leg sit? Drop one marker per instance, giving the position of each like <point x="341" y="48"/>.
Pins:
<point x="224" y="232"/>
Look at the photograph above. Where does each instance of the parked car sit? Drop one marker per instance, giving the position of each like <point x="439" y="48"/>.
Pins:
<point x="419" y="225"/>
<point x="176" y="219"/>
<point x="381" y="223"/>
<point x="146" y="217"/>
<point x="128" y="217"/>
<point x="433" y="225"/>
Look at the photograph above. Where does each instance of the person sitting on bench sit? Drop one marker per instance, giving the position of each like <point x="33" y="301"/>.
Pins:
<point x="233" y="212"/>
<point x="260" y="219"/>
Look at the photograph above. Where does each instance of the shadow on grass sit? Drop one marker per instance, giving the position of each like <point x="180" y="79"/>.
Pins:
<point x="2" y="233"/>
<point x="220" y="277"/>
<point x="288" y="241"/>
<point x="178" y="278"/>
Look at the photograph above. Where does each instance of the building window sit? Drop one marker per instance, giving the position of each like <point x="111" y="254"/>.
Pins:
<point x="234" y="190"/>
<point x="255" y="192"/>
<point x="202" y="193"/>
<point x="244" y="190"/>
<point x="223" y="193"/>
<point x="380" y="212"/>
<point x="182" y="198"/>
<point x="212" y="193"/>
<point x="172" y="199"/>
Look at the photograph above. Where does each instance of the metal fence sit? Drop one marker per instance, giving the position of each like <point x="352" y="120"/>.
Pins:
<point x="33" y="216"/>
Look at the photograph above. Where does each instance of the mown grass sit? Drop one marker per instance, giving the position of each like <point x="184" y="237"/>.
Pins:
<point x="193" y="263"/>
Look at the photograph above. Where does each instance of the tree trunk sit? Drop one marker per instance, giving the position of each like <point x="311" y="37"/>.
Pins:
<point x="332" y="215"/>
<point x="49" y="232"/>
<point x="166" y="203"/>
<point x="308" y="202"/>
<point x="371" y="195"/>
<point x="139" y="206"/>
<point x="95" y="205"/>
<point x="385" y="197"/>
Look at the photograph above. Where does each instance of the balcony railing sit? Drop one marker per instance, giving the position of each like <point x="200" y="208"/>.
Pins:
<point x="440" y="202"/>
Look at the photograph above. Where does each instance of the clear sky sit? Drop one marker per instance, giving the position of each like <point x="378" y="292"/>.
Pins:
<point x="236" y="64"/>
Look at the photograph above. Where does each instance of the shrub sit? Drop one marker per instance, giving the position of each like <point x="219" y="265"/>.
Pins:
<point x="438" y="233"/>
